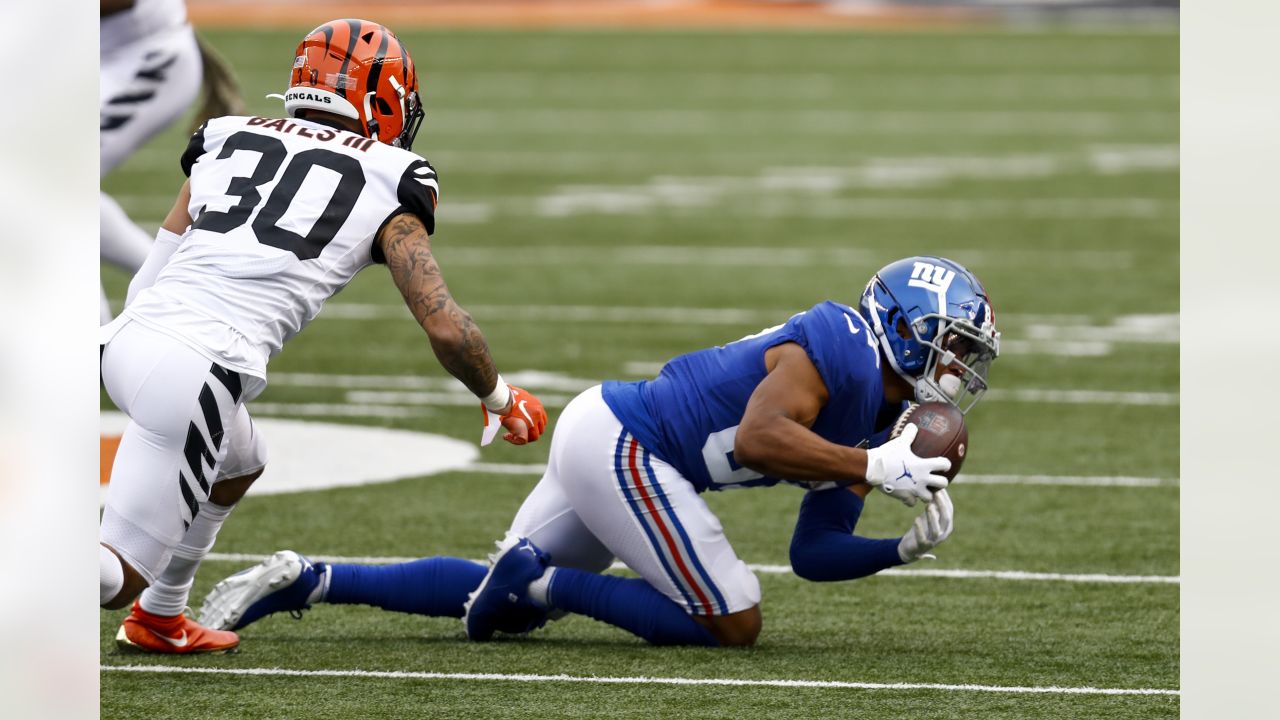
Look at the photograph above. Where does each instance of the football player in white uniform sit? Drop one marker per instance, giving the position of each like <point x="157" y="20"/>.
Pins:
<point x="152" y="69"/>
<point x="276" y="217"/>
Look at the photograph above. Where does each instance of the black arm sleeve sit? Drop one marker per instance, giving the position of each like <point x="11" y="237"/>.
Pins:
<point x="195" y="148"/>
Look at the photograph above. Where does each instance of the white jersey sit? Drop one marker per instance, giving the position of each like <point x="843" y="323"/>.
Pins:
<point x="285" y="214"/>
<point x="144" y="19"/>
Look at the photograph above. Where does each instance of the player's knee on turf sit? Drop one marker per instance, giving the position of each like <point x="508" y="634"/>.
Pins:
<point x="738" y="629"/>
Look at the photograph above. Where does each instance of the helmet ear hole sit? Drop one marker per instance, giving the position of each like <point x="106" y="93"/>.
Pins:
<point x="904" y="332"/>
<point x="384" y="108"/>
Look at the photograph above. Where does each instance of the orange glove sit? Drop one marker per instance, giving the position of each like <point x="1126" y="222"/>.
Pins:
<point x="525" y="419"/>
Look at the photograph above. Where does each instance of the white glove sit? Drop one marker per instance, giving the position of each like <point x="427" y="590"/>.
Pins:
<point x="929" y="530"/>
<point x="895" y="469"/>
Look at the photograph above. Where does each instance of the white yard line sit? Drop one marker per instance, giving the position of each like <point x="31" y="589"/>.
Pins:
<point x="959" y="574"/>
<point x="340" y="410"/>
<point x="1066" y="480"/>
<point x="1024" y="334"/>
<point x="1082" y="397"/>
<point x="1043" y="327"/>
<point x="605" y="680"/>
<point x="536" y="469"/>
<point x="571" y="313"/>
<point x="764" y="256"/>
<point x="412" y="404"/>
<point x="679" y="121"/>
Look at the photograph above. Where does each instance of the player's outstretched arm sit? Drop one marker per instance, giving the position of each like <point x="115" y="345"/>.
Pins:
<point x="455" y="338"/>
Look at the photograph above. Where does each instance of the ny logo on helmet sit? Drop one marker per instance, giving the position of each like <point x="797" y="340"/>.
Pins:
<point x="931" y="277"/>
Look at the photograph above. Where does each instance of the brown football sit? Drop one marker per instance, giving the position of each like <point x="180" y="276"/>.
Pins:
<point x="942" y="432"/>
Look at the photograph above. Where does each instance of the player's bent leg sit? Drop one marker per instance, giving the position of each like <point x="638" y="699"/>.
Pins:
<point x="548" y="527"/>
<point x="289" y="582"/>
<point x="436" y="586"/>
<point x="632" y="604"/>
<point x="244" y="462"/>
<point x="548" y="520"/>
<point x="651" y="518"/>
<point x="179" y="405"/>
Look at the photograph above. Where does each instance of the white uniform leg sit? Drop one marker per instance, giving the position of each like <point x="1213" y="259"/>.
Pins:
<point x="104" y="307"/>
<point x="178" y="404"/>
<point x="645" y="512"/>
<point x="145" y="86"/>
<point x="246" y="450"/>
<point x="246" y="454"/>
<point x="124" y="244"/>
<point x="547" y="518"/>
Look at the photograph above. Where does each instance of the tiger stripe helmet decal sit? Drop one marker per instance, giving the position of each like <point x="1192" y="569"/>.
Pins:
<point x="360" y="70"/>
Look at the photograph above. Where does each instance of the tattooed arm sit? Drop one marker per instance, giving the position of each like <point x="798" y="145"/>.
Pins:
<point x="455" y="338"/>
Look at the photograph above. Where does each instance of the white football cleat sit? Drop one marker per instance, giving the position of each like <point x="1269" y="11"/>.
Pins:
<point x="284" y="581"/>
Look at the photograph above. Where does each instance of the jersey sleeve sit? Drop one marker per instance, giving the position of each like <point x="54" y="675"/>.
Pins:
<point x="418" y="192"/>
<point x="195" y="148"/>
<point x="840" y="345"/>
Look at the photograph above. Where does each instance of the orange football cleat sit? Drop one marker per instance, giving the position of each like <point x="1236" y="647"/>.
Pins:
<point x="177" y="635"/>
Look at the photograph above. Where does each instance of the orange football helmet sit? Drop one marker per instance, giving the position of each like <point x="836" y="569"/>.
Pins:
<point x="360" y="70"/>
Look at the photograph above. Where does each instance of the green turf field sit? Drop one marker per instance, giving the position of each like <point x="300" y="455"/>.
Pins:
<point x="612" y="199"/>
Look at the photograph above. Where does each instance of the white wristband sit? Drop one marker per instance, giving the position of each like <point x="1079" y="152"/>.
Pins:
<point x="498" y="400"/>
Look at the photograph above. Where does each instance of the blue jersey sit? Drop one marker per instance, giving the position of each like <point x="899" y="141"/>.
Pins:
<point x="689" y="415"/>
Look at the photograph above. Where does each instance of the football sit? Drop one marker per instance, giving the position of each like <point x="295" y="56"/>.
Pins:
<point x="942" y="432"/>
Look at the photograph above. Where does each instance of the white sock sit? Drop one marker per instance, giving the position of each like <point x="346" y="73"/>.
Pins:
<point x="168" y="596"/>
<point x="110" y="575"/>
<point x="538" y="589"/>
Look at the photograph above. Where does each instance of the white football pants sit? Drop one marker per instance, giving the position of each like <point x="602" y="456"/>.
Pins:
<point x="605" y="495"/>
<point x="188" y="430"/>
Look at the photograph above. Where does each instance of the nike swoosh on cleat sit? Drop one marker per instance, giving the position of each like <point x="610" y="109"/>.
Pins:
<point x="176" y="642"/>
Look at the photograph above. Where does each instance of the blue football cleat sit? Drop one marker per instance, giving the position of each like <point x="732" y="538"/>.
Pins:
<point x="501" y="602"/>
<point x="282" y="582"/>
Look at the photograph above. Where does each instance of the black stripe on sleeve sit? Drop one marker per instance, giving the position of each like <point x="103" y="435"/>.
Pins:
<point x="195" y="149"/>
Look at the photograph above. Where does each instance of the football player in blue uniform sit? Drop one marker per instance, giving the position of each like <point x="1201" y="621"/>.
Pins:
<point x="809" y="402"/>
